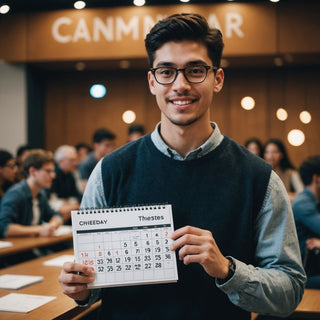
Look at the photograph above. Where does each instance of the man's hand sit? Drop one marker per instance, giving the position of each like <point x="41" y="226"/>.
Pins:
<point x="198" y="245"/>
<point x="74" y="278"/>
<point x="313" y="243"/>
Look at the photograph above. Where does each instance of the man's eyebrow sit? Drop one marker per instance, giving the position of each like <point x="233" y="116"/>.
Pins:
<point x="189" y="63"/>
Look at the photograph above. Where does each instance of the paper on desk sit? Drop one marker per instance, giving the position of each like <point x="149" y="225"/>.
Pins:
<point x="59" y="261"/>
<point x="5" y="244"/>
<point x="18" y="302"/>
<point x="63" y="230"/>
<point x="17" y="281"/>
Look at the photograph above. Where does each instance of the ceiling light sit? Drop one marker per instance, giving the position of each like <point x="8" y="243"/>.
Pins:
<point x="282" y="114"/>
<point x="247" y="103"/>
<point x="129" y="116"/>
<point x="305" y="117"/>
<point x="4" y="9"/>
<point x="98" y="91"/>
<point x="139" y="3"/>
<point x="79" y="5"/>
<point x="296" y="137"/>
<point x="274" y="1"/>
<point x="184" y="0"/>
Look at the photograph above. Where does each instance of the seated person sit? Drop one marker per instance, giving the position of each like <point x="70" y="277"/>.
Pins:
<point x="24" y="209"/>
<point x="135" y="131"/>
<point x="8" y="169"/>
<point x="83" y="150"/>
<point x="63" y="194"/>
<point x="307" y="218"/>
<point x="22" y="152"/>
<point x="275" y="153"/>
<point x="103" y="143"/>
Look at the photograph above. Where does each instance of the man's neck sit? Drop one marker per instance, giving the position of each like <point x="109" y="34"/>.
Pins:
<point x="314" y="190"/>
<point x="184" y="139"/>
<point x="33" y="186"/>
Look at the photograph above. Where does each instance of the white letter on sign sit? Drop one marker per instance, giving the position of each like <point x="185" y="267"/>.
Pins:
<point x="121" y="27"/>
<point x="233" y="23"/>
<point x="55" y="30"/>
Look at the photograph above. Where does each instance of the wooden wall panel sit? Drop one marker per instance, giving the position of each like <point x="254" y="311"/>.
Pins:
<point x="72" y="115"/>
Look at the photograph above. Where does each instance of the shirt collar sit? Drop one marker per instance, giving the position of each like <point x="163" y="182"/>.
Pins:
<point x="213" y="141"/>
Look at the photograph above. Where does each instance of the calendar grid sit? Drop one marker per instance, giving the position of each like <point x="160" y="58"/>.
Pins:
<point x="129" y="249"/>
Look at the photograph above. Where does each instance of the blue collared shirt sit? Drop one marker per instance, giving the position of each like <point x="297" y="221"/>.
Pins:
<point x="275" y="284"/>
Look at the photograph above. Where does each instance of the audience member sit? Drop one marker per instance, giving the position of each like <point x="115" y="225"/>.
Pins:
<point x="135" y="131"/>
<point x="307" y="217"/>
<point x="234" y="228"/>
<point x="21" y="154"/>
<point x="255" y="146"/>
<point x="275" y="153"/>
<point x="64" y="195"/>
<point x="8" y="169"/>
<point x="83" y="149"/>
<point x="24" y="209"/>
<point x="103" y="143"/>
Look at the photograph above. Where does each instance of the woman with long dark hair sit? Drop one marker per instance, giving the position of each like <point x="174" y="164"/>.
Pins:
<point x="276" y="154"/>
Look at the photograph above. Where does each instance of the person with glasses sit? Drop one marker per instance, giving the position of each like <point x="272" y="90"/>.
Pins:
<point x="24" y="209"/>
<point x="234" y="232"/>
<point x="8" y="169"/>
<point x="64" y="195"/>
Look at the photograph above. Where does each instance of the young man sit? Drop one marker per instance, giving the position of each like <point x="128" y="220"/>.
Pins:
<point x="24" y="208"/>
<point x="307" y="216"/>
<point x="103" y="143"/>
<point x="235" y="234"/>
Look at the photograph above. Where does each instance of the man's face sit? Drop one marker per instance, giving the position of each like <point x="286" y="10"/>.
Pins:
<point x="69" y="162"/>
<point x="104" y="147"/>
<point x="183" y="103"/>
<point x="44" y="176"/>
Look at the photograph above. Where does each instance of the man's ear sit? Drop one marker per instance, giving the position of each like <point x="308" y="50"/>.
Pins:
<point x="152" y="82"/>
<point x="218" y="80"/>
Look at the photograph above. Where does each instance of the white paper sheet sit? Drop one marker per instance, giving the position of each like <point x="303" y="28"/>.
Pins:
<point x="17" y="281"/>
<point x="63" y="230"/>
<point x="5" y="244"/>
<point x="18" y="302"/>
<point x="59" y="261"/>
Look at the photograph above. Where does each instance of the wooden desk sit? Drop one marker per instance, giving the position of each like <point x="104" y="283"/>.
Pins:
<point x="308" y="308"/>
<point x="60" y="308"/>
<point x="20" y="244"/>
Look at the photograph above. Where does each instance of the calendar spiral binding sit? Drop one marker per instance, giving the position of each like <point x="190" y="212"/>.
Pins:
<point x="114" y="209"/>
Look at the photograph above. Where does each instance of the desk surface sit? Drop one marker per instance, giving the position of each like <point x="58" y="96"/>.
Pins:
<point x="310" y="304"/>
<point x="308" y="308"/>
<point x="58" y="308"/>
<point x="20" y="244"/>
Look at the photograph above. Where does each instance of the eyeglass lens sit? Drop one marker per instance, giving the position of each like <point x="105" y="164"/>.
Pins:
<point x="194" y="74"/>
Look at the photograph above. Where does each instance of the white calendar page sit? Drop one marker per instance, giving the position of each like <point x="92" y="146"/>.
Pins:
<point x="125" y="246"/>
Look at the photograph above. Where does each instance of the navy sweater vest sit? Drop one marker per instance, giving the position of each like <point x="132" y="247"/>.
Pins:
<point x="221" y="192"/>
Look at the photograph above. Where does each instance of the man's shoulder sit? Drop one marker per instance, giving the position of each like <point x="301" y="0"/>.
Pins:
<point x="302" y="199"/>
<point x="129" y="150"/>
<point x="18" y="191"/>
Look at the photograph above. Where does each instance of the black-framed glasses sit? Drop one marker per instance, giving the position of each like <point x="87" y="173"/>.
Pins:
<point x="11" y="166"/>
<point x="193" y="74"/>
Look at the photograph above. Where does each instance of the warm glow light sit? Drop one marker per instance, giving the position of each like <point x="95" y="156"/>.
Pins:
<point x="128" y="116"/>
<point x="4" y="9"/>
<point x="79" y="5"/>
<point x="139" y="3"/>
<point x="247" y="103"/>
<point x="282" y="114"/>
<point x="98" y="91"/>
<point x="305" y="117"/>
<point x="296" y="137"/>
